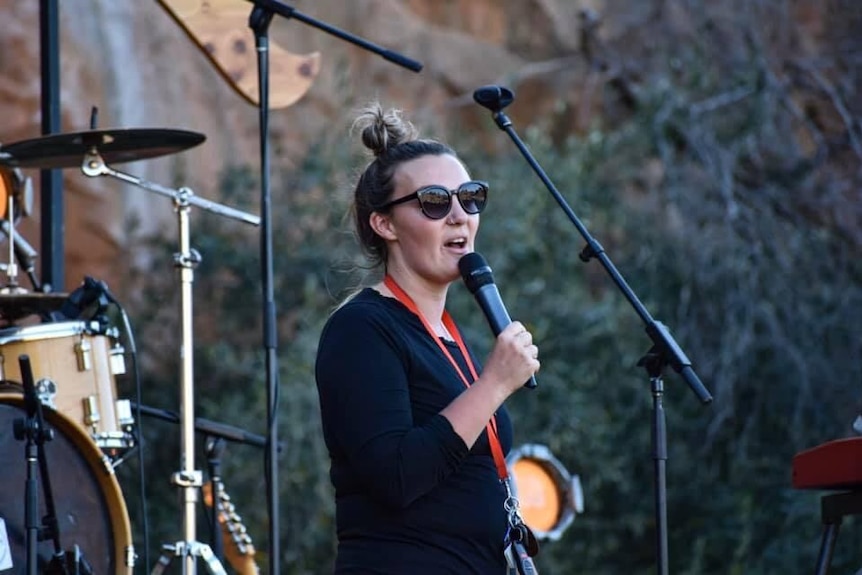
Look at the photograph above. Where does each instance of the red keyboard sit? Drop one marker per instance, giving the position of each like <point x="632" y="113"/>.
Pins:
<point x="832" y="465"/>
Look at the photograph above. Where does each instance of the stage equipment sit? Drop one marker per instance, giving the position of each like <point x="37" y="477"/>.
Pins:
<point x="549" y="495"/>
<point x="664" y="352"/>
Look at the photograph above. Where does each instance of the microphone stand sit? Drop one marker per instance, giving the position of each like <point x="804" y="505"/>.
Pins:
<point x="259" y="20"/>
<point x="664" y="351"/>
<point x="33" y="430"/>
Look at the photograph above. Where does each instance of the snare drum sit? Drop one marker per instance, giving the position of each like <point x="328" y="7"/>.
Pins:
<point x="89" y="505"/>
<point x="74" y="364"/>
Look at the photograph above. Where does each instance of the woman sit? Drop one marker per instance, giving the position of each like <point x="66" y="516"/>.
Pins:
<point x="410" y="424"/>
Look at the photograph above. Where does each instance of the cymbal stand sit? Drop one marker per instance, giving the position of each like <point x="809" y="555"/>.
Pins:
<point x="11" y="286"/>
<point x="188" y="479"/>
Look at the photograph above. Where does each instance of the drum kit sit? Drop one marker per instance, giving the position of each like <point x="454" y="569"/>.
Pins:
<point x="59" y="359"/>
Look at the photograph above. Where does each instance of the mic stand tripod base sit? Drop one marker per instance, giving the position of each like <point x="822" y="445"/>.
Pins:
<point x="187" y="549"/>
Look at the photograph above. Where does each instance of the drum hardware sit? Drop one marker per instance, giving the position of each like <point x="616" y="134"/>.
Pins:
<point x="207" y="427"/>
<point x="75" y="362"/>
<point x="33" y="430"/>
<point x="16" y="201"/>
<point x="11" y="286"/>
<point x="188" y="479"/>
<point x="46" y="391"/>
<point x="14" y="307"/>
<point x="14" y="185"/>
<point x="89" y="506"/>
<point x="82" y="351"/>
<point x="115" y="146"/>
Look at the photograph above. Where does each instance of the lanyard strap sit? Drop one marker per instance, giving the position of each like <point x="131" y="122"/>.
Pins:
<point x="491" y="427"/>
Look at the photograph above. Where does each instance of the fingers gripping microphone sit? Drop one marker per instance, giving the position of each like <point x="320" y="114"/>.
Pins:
<point x="480" y="281"/>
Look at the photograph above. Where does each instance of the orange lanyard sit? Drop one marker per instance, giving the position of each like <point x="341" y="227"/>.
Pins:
<point x="493" y="437"/>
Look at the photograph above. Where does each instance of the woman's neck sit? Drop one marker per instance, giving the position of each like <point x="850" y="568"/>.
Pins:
<point x="429" y="298"/>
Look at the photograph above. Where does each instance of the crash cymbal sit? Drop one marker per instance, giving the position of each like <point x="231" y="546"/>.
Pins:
<point x="115" y="147"/>
<point x="14" y="306"/>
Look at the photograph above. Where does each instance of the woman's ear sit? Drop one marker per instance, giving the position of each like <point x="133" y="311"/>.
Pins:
<point x="382" y="225"/>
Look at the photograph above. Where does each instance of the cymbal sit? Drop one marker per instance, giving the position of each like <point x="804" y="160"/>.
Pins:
<point x="115" y="147"/>
<point x="14" y="306"/>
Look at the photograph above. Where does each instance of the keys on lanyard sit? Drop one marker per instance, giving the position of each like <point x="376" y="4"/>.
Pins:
<point x="519" y="543"/>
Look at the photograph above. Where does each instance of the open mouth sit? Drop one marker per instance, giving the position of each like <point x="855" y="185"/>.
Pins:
<point x="457" y="243"/>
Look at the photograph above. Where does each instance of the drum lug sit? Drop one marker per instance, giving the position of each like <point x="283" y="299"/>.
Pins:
<point x="117" y="359"/>
<point x="124" y="414"/>
<point x="82" y="351"/>
<point x="92" y="417"/>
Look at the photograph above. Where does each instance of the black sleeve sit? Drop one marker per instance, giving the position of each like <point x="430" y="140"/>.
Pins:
<point x="365" y="406"/>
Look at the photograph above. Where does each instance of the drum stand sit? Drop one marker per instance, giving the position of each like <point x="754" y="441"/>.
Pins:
<point x="187" y="478"/>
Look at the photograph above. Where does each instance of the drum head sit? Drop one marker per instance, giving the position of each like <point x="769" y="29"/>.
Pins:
<point x="89" y="506"/>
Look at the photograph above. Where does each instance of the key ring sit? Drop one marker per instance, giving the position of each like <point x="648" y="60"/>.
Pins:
<point x="512" y="507"/>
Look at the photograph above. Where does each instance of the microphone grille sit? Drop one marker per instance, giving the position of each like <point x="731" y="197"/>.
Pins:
<point x="475" y="271"/>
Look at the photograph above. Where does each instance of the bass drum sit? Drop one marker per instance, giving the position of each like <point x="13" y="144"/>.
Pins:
<point x="91" y="512"/>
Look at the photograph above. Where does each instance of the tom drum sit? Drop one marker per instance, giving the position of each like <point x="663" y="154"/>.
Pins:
<point x="74" y="364"/>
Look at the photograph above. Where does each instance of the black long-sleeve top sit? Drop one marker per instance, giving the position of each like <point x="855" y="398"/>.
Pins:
<point x="410" y="497"/>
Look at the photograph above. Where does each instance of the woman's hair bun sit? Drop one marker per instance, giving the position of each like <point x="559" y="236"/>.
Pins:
<point x="383" y="129"/>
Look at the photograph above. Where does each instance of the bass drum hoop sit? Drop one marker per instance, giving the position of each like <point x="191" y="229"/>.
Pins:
<point x="100" y="469"/>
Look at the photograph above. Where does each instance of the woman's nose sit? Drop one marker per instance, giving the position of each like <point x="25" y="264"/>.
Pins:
<point x="457" y="214"/>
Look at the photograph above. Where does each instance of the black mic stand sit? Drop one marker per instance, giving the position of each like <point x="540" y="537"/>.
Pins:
<point x="33" y="430"/>
<point x="665" y="351"/>
<point x="259" y="20"/>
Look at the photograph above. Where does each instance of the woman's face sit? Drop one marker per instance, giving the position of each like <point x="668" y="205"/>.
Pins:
<point x="418" y="245"/>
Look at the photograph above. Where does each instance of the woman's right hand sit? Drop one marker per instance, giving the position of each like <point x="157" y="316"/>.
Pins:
<point x="513" y="360"/>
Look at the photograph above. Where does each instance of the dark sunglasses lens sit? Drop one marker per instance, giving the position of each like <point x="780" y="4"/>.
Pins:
<point x="435" y="202"/>
<point x="473" y="196"/>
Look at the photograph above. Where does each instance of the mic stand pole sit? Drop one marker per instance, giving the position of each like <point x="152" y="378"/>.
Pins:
<point x="36" y="433"/>
<point x="31" y="430"/>
<point x="665" y="351"/>
<point x="259" y="21"/>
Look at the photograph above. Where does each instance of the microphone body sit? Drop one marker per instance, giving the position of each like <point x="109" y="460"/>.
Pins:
<point x="479" y="280"/>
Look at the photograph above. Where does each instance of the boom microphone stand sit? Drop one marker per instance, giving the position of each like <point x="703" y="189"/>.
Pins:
<point x="665" y="351"/>
<point x="259" y="20"/>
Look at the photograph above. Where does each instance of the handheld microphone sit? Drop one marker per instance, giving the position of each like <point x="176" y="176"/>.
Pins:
<point x="480" y="281"/>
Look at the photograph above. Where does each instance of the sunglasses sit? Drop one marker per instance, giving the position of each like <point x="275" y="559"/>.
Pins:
<point x="436" y="201"/>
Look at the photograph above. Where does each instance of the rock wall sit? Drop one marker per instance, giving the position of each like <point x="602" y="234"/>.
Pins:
<point x="138" y="66"/>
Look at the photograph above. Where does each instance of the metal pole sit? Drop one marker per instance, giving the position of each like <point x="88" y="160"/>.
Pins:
<point x="51" y="187"/>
